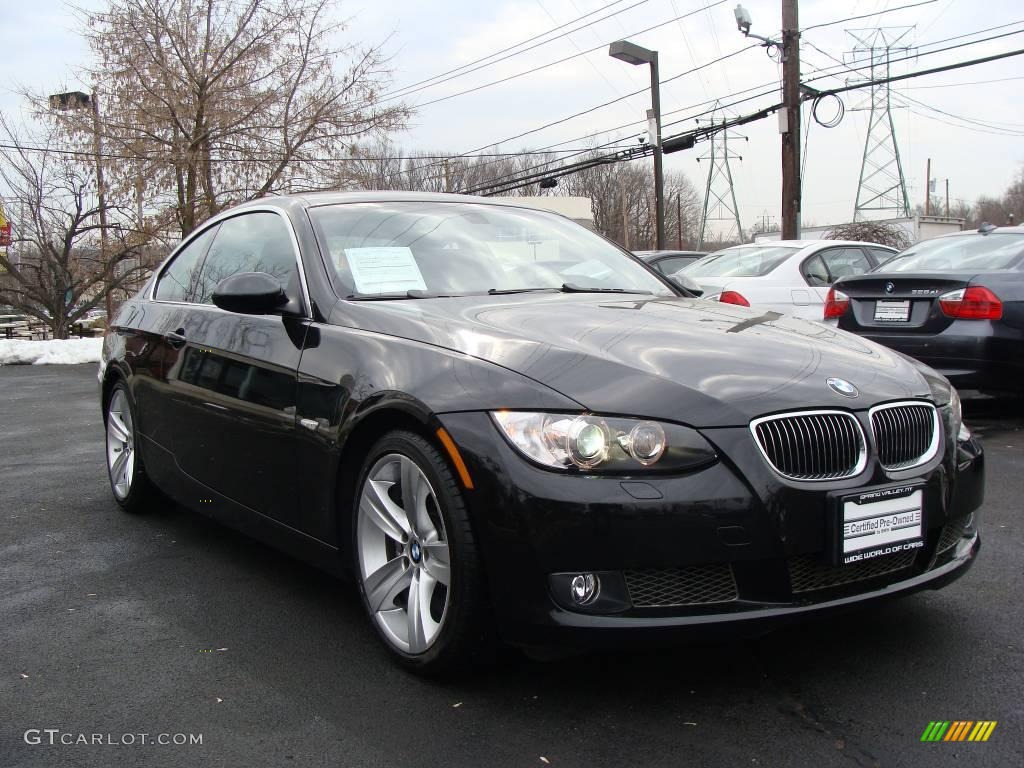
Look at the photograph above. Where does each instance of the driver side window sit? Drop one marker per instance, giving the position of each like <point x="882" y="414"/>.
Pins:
<point x="252" y="242"/>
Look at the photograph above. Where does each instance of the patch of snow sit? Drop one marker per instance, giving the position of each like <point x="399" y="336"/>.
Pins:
<point x="54" y="352"/>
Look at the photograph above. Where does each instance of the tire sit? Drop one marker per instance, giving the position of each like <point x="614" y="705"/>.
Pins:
<point x="430" y="627"/>
<point x="132" y="488"/>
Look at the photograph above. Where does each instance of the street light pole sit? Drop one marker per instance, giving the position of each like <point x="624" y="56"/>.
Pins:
<point x="659" y="177"/>
<point x="77" y="100"/>
<point x="101" y="195"/>
<point x="630" y="53"/>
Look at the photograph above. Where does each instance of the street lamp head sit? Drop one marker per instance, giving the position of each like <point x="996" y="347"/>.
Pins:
<point x="743" y="20"/>
<point x="70" y="100"/>
<point x="623" y="50"/>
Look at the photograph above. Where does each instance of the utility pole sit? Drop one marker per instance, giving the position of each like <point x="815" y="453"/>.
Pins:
<point x="789" y="121"/>
<point x="625" y="217"/>
<point x="928" y="188"/>
<point x="947" y="198"/>
<point x="679" y="219"/>
<point x="447" y="177"/>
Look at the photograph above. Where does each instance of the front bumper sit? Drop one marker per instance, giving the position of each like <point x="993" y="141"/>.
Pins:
<point x="733" y="546"/>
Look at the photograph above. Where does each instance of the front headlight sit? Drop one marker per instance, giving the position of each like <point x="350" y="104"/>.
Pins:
<point x="956" y="407"/>
<point x="603" y="443"/>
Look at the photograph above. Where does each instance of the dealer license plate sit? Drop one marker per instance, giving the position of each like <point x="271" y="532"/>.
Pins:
<point x="892" y="311"/>
<point x="880" y="522"/>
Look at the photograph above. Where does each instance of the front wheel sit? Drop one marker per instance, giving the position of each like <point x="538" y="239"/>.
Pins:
<point x="416" y="559"/>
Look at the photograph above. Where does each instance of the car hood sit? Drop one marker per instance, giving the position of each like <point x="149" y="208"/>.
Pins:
<point x="693" y="361"/>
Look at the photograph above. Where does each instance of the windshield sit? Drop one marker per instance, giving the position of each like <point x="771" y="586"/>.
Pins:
<point x="450" y="248"/>
<point x="960" y="253"/>
<point x="742" y="261"/>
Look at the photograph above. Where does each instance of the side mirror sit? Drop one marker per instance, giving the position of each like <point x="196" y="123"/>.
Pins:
<point x="250" y="293"/>
<point x="686" y="284"/>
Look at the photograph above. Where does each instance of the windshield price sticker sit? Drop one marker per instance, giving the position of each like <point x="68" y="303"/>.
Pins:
<point x="881" y="522"/>
<point x="384" y="269"/>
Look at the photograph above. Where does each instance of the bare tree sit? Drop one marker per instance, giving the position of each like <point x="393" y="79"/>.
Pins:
<point x="879" y="232"/>
<point x="382" y="164"/>
<point x="56" y="272"/>
<point x="212" y="102"/>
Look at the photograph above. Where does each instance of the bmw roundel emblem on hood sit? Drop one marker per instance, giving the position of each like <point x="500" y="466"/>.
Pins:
<point x="889" y="287"/>
<point x="842" y="387"/>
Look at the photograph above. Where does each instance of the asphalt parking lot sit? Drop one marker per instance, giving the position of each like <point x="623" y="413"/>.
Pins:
<point x="171" y="624"/>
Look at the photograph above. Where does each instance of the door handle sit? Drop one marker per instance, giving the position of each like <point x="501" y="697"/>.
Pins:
<point x="176" y="339"/>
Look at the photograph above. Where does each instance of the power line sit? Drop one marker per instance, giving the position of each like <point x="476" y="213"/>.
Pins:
<point x="524" y="42"/>
<point x="866" y="15"/>
<point x="698" y="134"/>
<point x="958" y="85"/>
<point x="368" y="158"/>
<point x="532" y="70"/>
<point x="710" y="101"/>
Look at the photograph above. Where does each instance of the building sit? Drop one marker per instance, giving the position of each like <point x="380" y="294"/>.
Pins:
<point x="916" y="227"/>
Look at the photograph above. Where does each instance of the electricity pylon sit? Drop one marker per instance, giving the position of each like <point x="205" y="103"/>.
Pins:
<point x="882" y="187"/>
<point x="719" y="193"/>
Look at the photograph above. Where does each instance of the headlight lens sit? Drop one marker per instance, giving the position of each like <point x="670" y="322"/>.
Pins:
<point x="605" y="444"/>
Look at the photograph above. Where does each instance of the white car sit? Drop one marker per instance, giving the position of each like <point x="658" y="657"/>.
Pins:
<point x="788" y="276"/>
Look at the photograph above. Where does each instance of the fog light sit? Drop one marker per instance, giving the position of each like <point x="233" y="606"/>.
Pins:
<point x="585" y="587"/>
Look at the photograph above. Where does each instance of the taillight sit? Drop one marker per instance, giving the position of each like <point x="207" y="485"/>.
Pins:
<point x="973" y="303"/>
<point x="731" y="297"/>
<point x="836" y="303"/>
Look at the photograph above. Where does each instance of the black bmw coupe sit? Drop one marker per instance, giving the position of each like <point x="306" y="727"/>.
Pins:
<point x="507" y="428"/>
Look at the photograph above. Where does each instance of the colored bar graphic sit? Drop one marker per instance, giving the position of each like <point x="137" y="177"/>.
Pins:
<point x="958" y="730"/>
<point x="935" y="730"/>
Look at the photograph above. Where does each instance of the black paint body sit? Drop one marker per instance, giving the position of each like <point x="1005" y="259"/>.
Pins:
<point x="220" y="396"/>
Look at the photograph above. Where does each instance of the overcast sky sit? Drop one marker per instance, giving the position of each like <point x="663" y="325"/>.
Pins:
<point x="975" y="141"/>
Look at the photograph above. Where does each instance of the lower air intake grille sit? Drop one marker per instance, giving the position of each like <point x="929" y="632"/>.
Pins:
<point x="807" y="574"/>
<point x="951" y="535"/>
<point x="812" y="445"/>
<point x="691" y="585"/>
<point x="906" y="434"/>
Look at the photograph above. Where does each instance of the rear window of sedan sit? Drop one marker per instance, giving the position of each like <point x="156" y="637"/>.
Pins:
<point x="997" y="250"/>
<point x="740" y="262"/>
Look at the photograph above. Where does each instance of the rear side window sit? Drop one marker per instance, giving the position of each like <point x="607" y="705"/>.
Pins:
<point x="844" y="262"/>
<point x="182" y="279"/>
<point x="744" y="261"/>
<point x="881" y="255"/>
<point x="815" y="272"/>
<point x="673" y="264"/>
<point x="996" y="250"/>
<point x="252" y="242"/>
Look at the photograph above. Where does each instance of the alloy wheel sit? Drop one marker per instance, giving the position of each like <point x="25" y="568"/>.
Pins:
<point x="120" y="445"/>
<point x="404" y="559"/>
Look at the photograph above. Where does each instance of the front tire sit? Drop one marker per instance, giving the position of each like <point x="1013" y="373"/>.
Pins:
<point x="129" y="483"/>
<point x="416" y="561"/>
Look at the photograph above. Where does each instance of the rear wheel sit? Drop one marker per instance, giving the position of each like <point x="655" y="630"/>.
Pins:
<point x="416" y="559"/>
<point x="131" y="487"/>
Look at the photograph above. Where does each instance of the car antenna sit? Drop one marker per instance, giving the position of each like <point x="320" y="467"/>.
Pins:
<point x="985" y="227"/>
